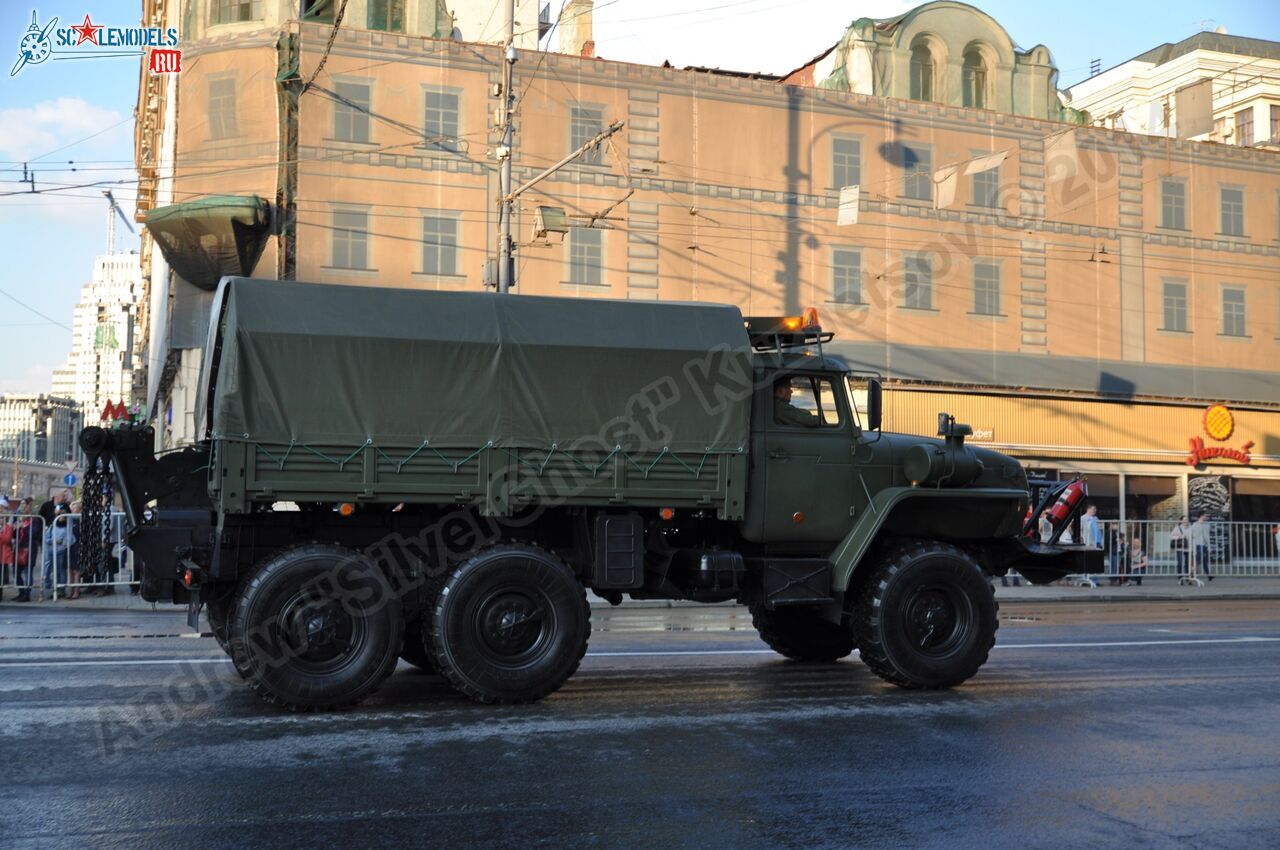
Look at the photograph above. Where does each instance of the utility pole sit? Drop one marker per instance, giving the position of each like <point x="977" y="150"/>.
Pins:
<point x="505" y="154"/>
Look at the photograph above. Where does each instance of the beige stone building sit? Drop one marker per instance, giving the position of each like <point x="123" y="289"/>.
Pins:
<point x="1002" y="248"/>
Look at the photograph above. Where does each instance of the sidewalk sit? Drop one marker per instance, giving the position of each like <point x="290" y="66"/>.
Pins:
<point x="1152" y="589"/>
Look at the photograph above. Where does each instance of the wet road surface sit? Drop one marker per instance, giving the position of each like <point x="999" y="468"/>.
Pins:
<point x="1146" y="724"/>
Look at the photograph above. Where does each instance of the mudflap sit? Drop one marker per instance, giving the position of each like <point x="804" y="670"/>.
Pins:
<point x="1042" y="563"/>
<point x="193" y="609"/>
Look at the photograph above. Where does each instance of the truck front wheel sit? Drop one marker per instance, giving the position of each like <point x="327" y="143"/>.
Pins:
<point x="926" y="617"/>
<point x="316" y="627"/>
<point x="511" y="625"/>
<point x="801" y="634"/>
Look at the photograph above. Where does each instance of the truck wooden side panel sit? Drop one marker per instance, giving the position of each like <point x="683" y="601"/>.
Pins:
<point x="494" y="479"/>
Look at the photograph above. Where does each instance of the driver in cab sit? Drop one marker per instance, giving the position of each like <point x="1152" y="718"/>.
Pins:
<point x="786" y="413"/>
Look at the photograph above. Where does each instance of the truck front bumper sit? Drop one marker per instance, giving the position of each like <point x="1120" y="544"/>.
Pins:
<point x="1042" y="563"/>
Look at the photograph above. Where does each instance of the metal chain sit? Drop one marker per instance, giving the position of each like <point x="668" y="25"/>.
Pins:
<point x="95" y="520"/>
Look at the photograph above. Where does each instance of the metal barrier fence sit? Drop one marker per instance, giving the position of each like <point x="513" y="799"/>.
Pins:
<point x="1168" y="549"/>
<point x="40" y="560"/>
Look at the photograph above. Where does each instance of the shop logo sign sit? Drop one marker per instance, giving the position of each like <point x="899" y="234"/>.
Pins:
<point x="88" y="40"/>
<point x="1219" y="424"/>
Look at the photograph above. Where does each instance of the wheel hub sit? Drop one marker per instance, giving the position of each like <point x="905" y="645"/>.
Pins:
<point x="319" y="633"/>
<point x="932" y="619"/>
<point x="511" y="625"/>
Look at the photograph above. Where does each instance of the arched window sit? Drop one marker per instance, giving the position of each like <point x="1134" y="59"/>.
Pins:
<point x="975" y="79"/>
<point x="921" y="73"/>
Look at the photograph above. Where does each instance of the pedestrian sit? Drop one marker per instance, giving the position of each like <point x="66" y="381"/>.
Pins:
<point x="1119" y="559"/>
<point x="48" y="512"/>
<point x="58" y="550"/>
<point x="1046" y="527"/>
<point x="72" y="522"/>
<point x="1090" y="529"/>
<point x="8" y="553"/>
<point x="1200" y="546"/>
<point x="1137" y="561"/>
<point x="1180" y="542"/>
<point x="28" y="544"/>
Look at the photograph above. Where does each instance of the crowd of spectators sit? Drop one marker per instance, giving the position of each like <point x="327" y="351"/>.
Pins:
<point x="39" y="550"/>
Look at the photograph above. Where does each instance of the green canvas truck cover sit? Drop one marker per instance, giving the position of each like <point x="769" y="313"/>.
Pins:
<point x="319" y="364"/>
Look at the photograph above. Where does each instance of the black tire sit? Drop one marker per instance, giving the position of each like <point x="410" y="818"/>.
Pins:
<point x="511" y="625"/>
<point x="315" y="628"/>
<point x="801" y="634"/>
<point x="218" y="612"/>
<point x="415" y="648"/>
<point x="926" y="617"/>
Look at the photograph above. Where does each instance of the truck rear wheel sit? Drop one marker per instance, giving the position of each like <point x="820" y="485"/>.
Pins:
<point x="218" y="610"/>
<point x="801" y="634"/>
<point x="317" y="627"/>
<point x="510" y="625"/>
<point x="926" y="617"/>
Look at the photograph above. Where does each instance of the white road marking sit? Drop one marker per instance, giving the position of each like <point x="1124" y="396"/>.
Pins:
<point x="1136" y="643"/>
<point x="682" y="652"/>
<point x="104" y="662"/>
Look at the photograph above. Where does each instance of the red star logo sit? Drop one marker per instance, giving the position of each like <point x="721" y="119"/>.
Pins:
<point x="88" y="31"/>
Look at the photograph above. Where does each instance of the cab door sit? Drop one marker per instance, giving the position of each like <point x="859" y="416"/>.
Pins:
<point x="808" y="443"/>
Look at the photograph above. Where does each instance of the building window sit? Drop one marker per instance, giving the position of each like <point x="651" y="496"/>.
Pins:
<point x="1232" y="211"/>
<point x="585" y="255"/>
<point x="846" y="276"/>
<point x="585" y="123"/>
<point x="321" y="11"/>
<point x="439" y="245"/>
<point x="386" y="15"/>
<point x="986" y="289"/>
<point x="918" y="179"/>
<point x="986" y="188"/>
<point x="350" y="239"/>
<point x="232" y="11"/>
<point x="1232" y="311"/>
<point x="1244" y="127"/>
<point x="1275" y="123"/>
<point x="1175" y="306"/>
<point x="917" y="278"/>
<point x="975" y="80"/>
<point x="921" y="73"/>
<point x="222" y="108"/>
<point x="351" y="112"/>
<point x="846" y="162"/>
<point x="1173" y="204"/>
<point x="441" y="124"/>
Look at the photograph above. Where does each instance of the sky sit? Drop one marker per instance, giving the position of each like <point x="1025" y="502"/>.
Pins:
<point x="71" y="121"/>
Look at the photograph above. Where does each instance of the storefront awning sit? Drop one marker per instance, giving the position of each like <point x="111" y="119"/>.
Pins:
<point x="207" y="238"/>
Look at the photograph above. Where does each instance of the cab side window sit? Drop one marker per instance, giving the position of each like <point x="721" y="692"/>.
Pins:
<point x="806" y="401"/>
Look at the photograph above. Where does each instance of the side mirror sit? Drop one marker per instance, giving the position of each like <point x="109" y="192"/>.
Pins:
<point x="874" y="398"/>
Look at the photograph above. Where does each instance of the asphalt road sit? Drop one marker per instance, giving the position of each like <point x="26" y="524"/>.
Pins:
<point x="1148" y="725"/>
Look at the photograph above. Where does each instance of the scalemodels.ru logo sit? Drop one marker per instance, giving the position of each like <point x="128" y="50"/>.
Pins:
<point x="88" y="40"/>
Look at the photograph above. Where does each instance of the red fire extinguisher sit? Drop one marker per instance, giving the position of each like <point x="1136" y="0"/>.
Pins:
<point x="1066" y="503"/>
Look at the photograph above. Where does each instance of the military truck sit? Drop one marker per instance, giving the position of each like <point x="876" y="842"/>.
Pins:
<point x="442" y="476"/>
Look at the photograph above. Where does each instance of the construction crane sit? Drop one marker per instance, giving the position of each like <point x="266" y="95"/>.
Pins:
<point x="112" y="211"/>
